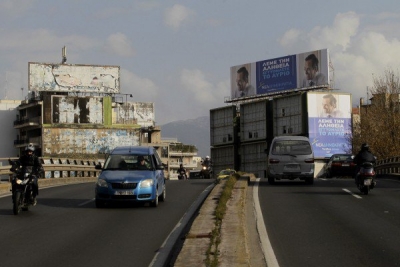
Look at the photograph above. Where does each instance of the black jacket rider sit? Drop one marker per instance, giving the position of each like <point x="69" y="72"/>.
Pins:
<point x="181" y="169"/>
<point x="30" y="160"/>
<point x="364" y="155"/>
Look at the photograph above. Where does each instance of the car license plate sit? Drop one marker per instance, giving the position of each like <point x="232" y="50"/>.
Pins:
<point x="123" y="193"/>
<point x="345" y="165"/>
<point x="291" y="168"/>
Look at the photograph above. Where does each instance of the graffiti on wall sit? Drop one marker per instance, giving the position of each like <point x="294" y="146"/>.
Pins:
<point x="135" y="113"/>
<point x="66" y="141"/>
<point x="73" y="78"/>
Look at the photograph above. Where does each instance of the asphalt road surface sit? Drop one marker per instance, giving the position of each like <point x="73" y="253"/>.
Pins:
<point x="331" y="223"/>
<point x="65" y="228"/>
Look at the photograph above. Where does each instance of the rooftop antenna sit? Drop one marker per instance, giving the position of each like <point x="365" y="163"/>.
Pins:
<point x="64" y="55"/>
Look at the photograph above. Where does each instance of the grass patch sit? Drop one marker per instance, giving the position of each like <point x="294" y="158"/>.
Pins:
<point x="212" y="251"/>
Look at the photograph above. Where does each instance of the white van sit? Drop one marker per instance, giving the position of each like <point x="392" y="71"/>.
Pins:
<point x="290" y="157"/>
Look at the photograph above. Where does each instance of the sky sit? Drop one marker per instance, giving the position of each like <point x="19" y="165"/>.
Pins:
<point x="178" y="54"/>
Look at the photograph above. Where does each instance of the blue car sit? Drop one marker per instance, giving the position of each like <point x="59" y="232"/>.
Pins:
<point x="131" y="174"/>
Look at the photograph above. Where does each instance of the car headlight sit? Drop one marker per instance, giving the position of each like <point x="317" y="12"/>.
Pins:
<point x="147" y="183"/>
<point x="102" y="183"/>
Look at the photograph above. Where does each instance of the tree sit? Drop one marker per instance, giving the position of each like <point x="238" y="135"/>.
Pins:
<point x="379" y="124"/>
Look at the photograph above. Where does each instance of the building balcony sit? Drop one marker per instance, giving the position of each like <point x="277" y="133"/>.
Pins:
<point x="27" y="122"/>
<point x="182" y="154"/>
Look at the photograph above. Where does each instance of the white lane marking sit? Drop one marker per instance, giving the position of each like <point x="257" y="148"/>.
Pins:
<point x="86" y="202"/>
<point x="266" y="246"/>
<point x="351" y="193"/>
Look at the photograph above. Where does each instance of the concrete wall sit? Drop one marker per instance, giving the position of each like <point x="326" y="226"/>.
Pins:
<point x="85" y="143"/>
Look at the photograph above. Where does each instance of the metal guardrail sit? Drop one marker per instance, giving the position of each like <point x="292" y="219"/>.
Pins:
<point x="58" y="168"/>
<point x="388" y="166"/>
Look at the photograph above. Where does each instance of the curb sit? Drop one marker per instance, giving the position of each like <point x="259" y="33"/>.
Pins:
<point x="234" y="248"/>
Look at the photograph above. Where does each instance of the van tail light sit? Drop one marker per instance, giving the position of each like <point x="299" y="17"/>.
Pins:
<point x="273" y="161"/>
<point x="309" y="160"/>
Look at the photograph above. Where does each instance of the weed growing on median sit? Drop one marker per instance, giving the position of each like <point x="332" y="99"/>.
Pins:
<point x="212" y="252"/>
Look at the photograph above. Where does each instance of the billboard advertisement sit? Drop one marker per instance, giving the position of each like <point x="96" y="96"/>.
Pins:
<point x="73" y="78"/>
<point x="280" y="74"/>
<point x="329" y="123"/>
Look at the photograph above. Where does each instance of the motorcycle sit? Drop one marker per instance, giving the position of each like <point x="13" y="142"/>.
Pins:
<point x="206" y="170"/>
<point x="366" y="178"/>
<point x="21" y="188"/>
<point x="182" y="175"/>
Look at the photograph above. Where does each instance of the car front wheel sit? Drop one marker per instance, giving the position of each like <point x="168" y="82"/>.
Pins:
<point x="163" y="194"/>
<point x="100" y="204"/>
<point x="154" y="203"/>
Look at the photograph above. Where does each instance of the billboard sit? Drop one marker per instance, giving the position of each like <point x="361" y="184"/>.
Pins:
<point x="73" y="78"/>
<point x="280" y="74"/>
<point x="329" y="123"/>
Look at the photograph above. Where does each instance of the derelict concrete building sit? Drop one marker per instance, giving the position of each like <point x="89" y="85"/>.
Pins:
<point x="77" y="111"/>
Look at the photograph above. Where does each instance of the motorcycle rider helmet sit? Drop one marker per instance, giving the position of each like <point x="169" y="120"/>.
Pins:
<point x="30" y="147"/>
<point x="207" y="157"/>
<point x="364" y="146"/>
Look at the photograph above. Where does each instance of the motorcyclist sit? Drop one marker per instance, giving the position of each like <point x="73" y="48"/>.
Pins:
<point x="207" y="161"/>
<point x="364" y="155"/>
<point x="180" y="170"/>
<point x="29" y="159"/>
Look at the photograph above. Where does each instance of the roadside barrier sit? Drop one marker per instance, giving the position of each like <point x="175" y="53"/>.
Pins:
<point x="60" y="168"/>
<point x="388" y="166"/>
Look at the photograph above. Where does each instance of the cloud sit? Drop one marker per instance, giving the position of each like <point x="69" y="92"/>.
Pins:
<point x="42" y="40"/>
<point x="357" y="50"/>
<point x="120" y="45"/>
<point x="197" y="88"/>
<point x="142" y="89"/>
<point x="176" y="15"/>
<point x="15" y="8"/>
<point x="336" y="37"/>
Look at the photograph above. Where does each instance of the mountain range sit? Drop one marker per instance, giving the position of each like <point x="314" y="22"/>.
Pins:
<point x="190" y="132"/>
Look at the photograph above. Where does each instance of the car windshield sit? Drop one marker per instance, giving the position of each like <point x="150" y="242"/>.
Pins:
<point x="225" y="172"/>
<point x="291" y="147"/>
<point x="128" y="162"/>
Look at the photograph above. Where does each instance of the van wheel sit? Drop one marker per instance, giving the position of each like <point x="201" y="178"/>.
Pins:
<point x="271" y="180"/>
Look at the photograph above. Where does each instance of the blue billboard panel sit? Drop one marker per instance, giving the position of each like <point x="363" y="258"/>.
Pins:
<point x="329" y="123"/>
<point x="276" y="75"/>
<point x="280" y="74"/>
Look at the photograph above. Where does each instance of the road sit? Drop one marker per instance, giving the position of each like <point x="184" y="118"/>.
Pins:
<point x="65" y="228"/>
<point x="331" y="224"/>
